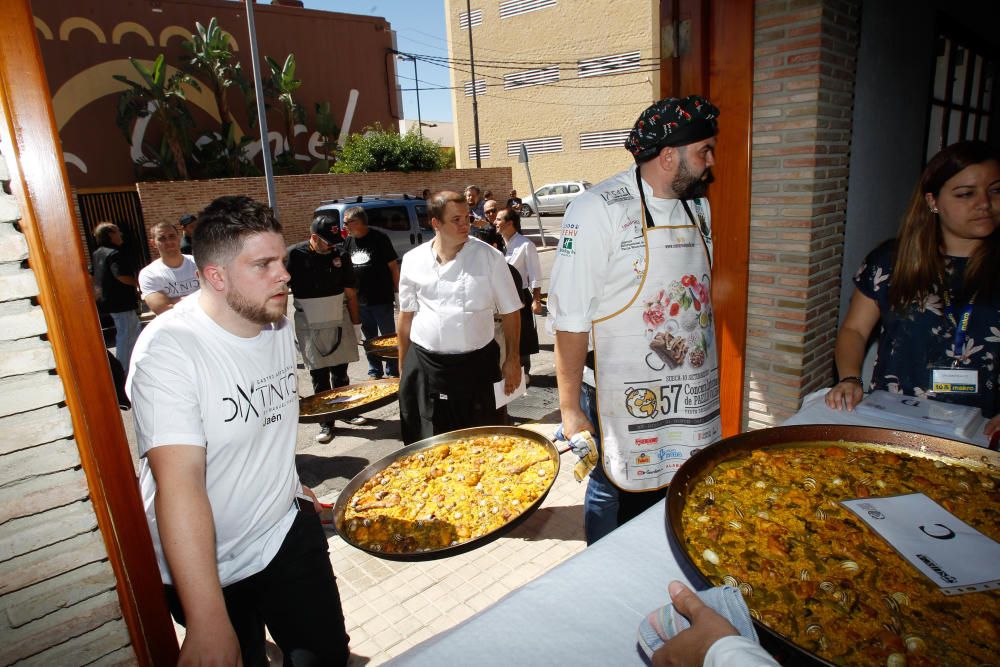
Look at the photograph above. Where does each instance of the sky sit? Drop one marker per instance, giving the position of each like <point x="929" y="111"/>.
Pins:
<point x="420" y="29"/>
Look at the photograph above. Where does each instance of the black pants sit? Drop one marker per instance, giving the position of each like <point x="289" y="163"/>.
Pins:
<point x="331" y="377"/>
<point x="295" y="596"/>
<point x="444" y="392"/>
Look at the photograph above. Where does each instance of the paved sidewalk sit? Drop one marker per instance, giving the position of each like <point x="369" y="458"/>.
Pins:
<point x="391" y="606"/>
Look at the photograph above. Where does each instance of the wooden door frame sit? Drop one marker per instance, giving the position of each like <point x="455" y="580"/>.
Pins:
<point x="38" y="180"/>
<point x="719" y="66"/>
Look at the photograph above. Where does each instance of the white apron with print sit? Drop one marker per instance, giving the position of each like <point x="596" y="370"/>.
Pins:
<point x="656" y="366"/>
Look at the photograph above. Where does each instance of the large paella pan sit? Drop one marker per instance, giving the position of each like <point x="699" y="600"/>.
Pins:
<point x="762" y="511"/>
<point x="447" y="494"/>
<point x="347" y="402"/>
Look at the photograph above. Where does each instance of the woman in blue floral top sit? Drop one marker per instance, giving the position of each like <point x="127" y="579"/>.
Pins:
<point x="936" y="291"/>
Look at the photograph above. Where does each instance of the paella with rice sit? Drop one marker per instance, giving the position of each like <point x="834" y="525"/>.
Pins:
<point x="448" y="494"/>
<point x="770" y="522"/>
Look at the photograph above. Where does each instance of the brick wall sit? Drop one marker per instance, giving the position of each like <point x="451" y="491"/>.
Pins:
<point x="804" y="64"/>
<point x="298" y="196"/>
<point x="58" y="604"/>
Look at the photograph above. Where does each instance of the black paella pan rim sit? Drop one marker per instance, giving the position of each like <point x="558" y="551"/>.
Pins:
<point x="349" y="410"/>
<point x="384" y="352"/>
<point x="706" y="459"/>
<point x="375" y="468"/>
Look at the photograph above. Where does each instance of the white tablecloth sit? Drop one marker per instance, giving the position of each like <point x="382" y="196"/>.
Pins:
<point x="815" y="411"/>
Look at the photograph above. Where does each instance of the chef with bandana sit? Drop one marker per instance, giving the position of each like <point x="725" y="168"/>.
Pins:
<point x="630" y="304"/>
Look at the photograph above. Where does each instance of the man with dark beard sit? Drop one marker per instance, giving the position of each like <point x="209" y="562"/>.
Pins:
<point x="629" y="300"/>
<point x="237" y="536"/>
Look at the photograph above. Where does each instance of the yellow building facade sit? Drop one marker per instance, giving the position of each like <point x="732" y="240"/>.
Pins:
<point x="567" y="78"/>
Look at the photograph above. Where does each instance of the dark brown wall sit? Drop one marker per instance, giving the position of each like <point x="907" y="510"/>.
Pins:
<point x="334" y="53"/>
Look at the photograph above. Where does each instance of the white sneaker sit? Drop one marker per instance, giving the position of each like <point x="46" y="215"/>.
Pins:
<point x="325" y="434"/>
<point x="357" y="421"/>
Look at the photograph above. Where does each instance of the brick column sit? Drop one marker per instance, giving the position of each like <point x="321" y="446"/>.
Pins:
<point x="804" y="65"/>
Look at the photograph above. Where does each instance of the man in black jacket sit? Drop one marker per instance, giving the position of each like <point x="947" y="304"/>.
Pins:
<point x="115" y="288"/>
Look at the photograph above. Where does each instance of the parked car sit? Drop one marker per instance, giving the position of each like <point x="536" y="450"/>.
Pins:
<point x="405" y="220"/>
<point x="554" y="197"/>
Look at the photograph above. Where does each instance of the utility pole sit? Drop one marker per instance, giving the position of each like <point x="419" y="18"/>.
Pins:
<point x="265" y="145"/>
<point x="416" y="82"/>
<point x="475" y="101"/>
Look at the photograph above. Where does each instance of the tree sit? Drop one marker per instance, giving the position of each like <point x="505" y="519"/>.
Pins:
<point x="281" y="87"/>
<point x="224" y="154"/>
<point x="211" y="55"/>
<point x="328" y="130"/>
<point x="163" y="98"/>
<point x="381" y="150"/>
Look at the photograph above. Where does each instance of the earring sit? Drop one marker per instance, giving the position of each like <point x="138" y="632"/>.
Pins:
<point x="933" y="210"/>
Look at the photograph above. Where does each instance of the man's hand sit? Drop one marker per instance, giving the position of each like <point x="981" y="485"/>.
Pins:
<point x="316" y="504"/>
<point x="575" y="421"/>
<point x="689" y="646"/>
<point x="210" y="644"/>
<point x="845" y="395"/>
<point x="992" y="426"/>
<point x="511" y="374"/>
<point x="536" y="307"/>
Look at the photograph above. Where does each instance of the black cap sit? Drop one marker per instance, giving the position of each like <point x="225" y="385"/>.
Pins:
<point x="327" y="228"/>
<point x="672" y="122"/>
<point x="186" y="220"/>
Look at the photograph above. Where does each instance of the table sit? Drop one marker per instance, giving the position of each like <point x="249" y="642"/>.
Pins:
<point x="814" y="410"/>
<point x="585" y="611"/>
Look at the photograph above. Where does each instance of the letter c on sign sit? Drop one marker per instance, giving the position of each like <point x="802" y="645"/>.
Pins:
<point x="947" y="535"/>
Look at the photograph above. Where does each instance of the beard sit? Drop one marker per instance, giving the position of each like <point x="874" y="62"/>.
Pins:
<point x="687" y="185"/>
<point x="262" y="314"/>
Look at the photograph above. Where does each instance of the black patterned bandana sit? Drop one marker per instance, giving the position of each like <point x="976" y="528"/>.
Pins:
<point x="672" y="122"/>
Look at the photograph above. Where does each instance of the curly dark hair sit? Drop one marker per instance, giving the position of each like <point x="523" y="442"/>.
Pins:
<point x="225" y="224"/>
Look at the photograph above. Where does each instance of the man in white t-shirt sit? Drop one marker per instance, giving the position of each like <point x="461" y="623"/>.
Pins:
<point x="449" y="289"/>
<point x="166" y="280"/>
<point x="213" y="386"/>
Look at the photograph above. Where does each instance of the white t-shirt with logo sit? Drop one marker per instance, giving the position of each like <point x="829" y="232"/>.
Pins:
<point x="194" y="383"/>
<point x="158" y="277"/>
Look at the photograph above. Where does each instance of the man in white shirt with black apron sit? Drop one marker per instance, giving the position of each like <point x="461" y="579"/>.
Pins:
<point x="449" y="289"/>
<point x="630" y="303"/>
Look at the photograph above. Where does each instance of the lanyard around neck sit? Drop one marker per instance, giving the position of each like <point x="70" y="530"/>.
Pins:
<point x="961" y="324"/>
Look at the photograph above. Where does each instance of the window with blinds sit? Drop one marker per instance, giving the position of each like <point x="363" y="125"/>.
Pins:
<point x="510" y="8"/>
<point x="536" y="146"/>
<point x="531" y="77"/>
<point x="477" y="19"/>
<point x="607" y="139"/>
<point x="480" y="87"/>
<point x="484" y="152"/>
<point x="605" y="65"/>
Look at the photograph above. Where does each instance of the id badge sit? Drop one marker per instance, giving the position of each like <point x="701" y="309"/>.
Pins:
<point x="954" y="381"/>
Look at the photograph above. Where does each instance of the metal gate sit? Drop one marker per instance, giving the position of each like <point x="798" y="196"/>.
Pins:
<point x="120" y="206"/>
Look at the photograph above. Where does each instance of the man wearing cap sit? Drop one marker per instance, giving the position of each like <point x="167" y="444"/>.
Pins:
<point x="630" y="303"/>
<point x="188" y="223"/>
<point x="167" y="279"/>
<point x="325" y="296"/>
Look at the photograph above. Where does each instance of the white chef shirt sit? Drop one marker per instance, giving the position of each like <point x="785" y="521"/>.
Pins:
<point x="454" y="302"/>
<point x="523" y="256"/>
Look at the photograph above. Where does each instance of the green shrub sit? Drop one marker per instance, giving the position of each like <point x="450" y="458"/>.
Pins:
<point x="381" y="150"/>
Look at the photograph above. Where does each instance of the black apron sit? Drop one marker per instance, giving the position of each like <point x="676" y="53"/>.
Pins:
<point x="529" y="335"/>
<point x="443" y="392"/>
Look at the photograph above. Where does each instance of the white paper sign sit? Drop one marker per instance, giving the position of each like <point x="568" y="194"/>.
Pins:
<point x="502" y="398"/>
<point x="953" y="554"/>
